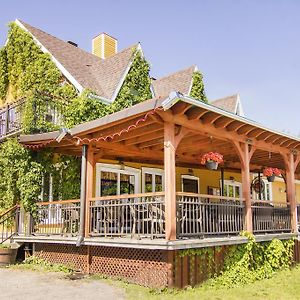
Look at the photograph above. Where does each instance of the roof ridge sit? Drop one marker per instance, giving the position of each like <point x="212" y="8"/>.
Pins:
<point x="174" y="73"/>
<point x="52" y="36"/>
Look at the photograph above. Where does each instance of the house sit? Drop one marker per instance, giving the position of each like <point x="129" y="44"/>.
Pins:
<point x="144" y="195"/>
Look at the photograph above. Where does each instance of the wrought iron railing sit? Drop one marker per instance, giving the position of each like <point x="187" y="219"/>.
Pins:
<point x="11" y="118"/>
<point x="271" y="217"/>
<point x="136" y="215"/>
<point x="205" y="215"/>
<point x="45" y="111"/>
<point x="57" y="218"/>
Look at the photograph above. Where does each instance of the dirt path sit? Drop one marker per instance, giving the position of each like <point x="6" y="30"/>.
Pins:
<point x="18" y="284"/>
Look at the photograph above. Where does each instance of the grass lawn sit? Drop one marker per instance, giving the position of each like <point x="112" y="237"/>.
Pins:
<point x="284" y="285"/>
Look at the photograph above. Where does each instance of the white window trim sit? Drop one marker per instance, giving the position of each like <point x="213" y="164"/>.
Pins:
<point x="266" y="182"/>
<point x="192" y="178"/>
<point x="117" y="169"/>
<point x="152" y="171"/>
<point x="234" y="184"/>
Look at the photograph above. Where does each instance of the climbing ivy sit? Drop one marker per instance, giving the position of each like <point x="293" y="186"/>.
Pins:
<point x="246" y="263"/>
<point x="197" y="90"/>
<point x="25" y="71"/>
<point x="3" y="74"/>
<point x="20" y="176"/>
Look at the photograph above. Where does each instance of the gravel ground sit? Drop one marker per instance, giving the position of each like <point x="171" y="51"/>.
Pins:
<point x="19" y="284"/>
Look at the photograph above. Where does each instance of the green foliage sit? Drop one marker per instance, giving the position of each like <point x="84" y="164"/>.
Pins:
<point x="136" y="87"/>
<point x="197" y="90"/>
<point x="246" y="263"/>
<point x="34" y="263"/>
<point x="20" y="176"/>
<point x="3" y="74"/>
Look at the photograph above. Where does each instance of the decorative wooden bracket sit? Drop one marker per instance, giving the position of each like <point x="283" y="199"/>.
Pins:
<point x="180" y="135"/>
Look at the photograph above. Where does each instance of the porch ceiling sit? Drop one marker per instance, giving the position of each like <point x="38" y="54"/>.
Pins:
<point x="137" y="134"/>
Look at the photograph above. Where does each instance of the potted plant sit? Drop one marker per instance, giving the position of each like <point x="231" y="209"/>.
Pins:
<point x="211" y="160"/>
<point x="270" y="173"/>
<point x="8" y="254"/>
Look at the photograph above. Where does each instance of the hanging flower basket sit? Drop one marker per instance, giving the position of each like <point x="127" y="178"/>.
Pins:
<point x="271" y="178"/>
<point x="270" y="173"/>
<point x="211" y="160"/>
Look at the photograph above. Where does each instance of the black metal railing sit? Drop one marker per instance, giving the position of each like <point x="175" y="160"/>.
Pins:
<point x="46" y="113"/>
<point x="271" y="217"/>
<point x="57" y="218"/>
<point x="11" y="118"/>
<point x="205" y="215"/>
<point x="137" y="215"/>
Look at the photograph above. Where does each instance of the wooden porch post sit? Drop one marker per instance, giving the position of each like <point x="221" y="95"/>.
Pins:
<point x="246" y="187"/>
<point x="170" y="180"/>
<point x="245" y="156"/>
<point x="89" y="187"/>
<point x="290" y="166"/>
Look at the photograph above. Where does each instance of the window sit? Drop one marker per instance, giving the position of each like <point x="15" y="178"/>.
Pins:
<point x="232" y="189"/>
<point x="190" y="184"/>
<point x="266" y="193"/>
<point x="116" y="180"/>
<point x="152" y="180"/>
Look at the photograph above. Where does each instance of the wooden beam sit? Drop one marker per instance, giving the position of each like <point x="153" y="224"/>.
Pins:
<point x="210" y="118"/>
<point x="180" y="108"/>
<point x="144" y="138"/>
<point x="195" y="113"/>
<point x="222" y="122"/>
<point x="170" y="180"/>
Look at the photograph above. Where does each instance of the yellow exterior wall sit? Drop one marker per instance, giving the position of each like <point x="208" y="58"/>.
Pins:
<point x="212" y="178"/>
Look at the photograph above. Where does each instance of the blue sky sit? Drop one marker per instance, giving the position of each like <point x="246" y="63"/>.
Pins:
<point x="249" y="47"/>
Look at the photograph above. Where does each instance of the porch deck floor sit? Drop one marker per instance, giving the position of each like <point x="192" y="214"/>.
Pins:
<point x="160" y="244"/>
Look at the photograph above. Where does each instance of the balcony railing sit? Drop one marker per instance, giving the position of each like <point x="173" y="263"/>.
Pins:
<point x="11" y="118"/>
<point x="271" y="217"/>
<point x="46" y="111"/>
<point x="57" y="218"/>
<point x="138" y="215"/>
<point x="205" y="215"/>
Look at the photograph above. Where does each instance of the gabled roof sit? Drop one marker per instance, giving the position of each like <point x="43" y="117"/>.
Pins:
<point x="231" y="104"/>
<point x="180" y="81"/>
<point x="83" y="69"/>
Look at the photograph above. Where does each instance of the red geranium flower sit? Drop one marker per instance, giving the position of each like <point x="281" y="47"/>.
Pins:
<point x="212" y="156"/>
<point x="271" y="171"/>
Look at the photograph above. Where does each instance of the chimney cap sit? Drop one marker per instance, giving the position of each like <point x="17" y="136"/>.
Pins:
<point x="104" y="33"/>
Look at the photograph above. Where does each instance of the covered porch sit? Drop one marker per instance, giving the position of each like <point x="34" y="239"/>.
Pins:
<point x="141" y="177"/>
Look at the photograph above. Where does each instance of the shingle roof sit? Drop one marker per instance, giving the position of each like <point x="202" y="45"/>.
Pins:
<point x="180" y="81"/>
<point x="91" y="72"/>
<point x="229" y="103"/>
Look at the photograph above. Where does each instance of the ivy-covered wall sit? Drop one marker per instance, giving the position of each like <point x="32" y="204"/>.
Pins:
<point x="27" y="72"/>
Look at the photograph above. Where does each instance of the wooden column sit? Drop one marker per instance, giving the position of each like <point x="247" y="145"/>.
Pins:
<point x="245" y="155"/>
<point x="89" y="187"/>
<point x="246" y="186"/>
<point x="170" y="180"/>
<point x="290" y="166"/>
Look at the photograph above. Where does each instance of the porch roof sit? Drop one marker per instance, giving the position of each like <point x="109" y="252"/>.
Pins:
<point x="137" y="133"/>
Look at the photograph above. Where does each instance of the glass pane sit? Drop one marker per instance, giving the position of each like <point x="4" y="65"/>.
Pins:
<point x="190" y="185"/>
<point x="126" y="184"/>
<point x="148" y="183"/>
<point x="237" y="192"/>
<point x="230" y="191"/>
<point x="158" y="183"/>
<point x="109" y="183"/>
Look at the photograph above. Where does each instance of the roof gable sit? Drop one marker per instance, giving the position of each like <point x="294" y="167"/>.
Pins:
<point x="231" y="104"/>
<point x="180" y="81"/>
<point x="83" y="69"/>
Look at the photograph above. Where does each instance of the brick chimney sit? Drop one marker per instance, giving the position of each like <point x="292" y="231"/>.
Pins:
<point x="104" y="45"/>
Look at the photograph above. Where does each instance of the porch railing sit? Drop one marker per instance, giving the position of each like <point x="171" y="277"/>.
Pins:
<point x="57" y="218"/>
<point x="271" y="217"/>
<point x="205" y="215"/>
<point x="136" y="215"/>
